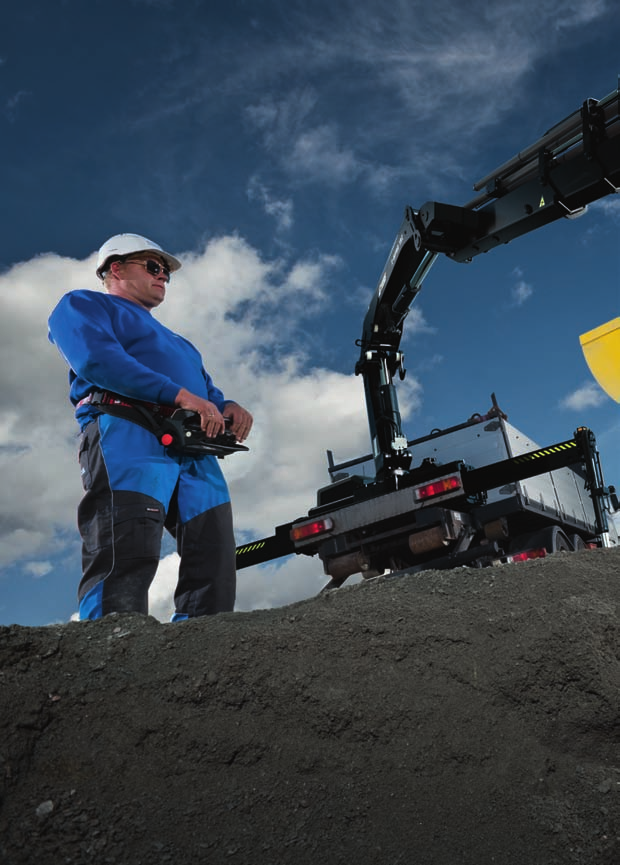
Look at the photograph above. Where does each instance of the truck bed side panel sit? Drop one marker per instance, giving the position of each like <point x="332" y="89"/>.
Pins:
<point x="559" y="495"/>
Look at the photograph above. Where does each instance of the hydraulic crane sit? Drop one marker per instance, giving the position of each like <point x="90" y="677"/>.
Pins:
<point x="572" y="165"/>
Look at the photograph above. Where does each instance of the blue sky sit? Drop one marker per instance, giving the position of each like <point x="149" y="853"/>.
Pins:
<point x="274" y="147"/>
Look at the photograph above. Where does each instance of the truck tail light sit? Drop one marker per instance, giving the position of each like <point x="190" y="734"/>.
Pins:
<point x="524" y="556"/>
<point x="528" y="554"/>
<point x="311" y="530"/>
<point x="437" y="488"/>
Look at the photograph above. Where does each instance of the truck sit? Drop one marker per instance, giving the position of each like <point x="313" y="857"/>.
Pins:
<point x="480" y="492"/>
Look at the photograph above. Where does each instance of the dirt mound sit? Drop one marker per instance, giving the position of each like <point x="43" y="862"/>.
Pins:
<point x="446" y="717"/>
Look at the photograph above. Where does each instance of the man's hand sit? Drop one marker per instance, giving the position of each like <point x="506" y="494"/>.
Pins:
<point x="211" y="421"/>
<point x="240" y="420"/>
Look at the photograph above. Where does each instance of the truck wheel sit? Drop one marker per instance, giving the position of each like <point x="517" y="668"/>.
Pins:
<point x="578" y="542"/>
<point x="552" y="539"/>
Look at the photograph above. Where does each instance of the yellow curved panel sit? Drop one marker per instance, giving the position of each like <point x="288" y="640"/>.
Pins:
<point x="601" y="349"/>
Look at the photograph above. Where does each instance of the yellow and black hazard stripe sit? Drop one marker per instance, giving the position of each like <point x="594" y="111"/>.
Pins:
<point x="546" y="452"/>
<point x="250" y="548"/>
<point x="523" y="466"/>
<point x="265" y="549"/>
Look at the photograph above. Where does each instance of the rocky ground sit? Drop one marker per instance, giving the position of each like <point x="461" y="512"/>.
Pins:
<point x="467" y="716"/>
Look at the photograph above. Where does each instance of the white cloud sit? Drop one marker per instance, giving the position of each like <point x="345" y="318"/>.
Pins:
<point x="309" y="151"/>
<point x="579" y="12"/>
<point x="417" y="323"/>
<point x="246" y="312"/>
<point x="19" y="543"/>
<point x="610" y="206"/>
<point x="13" y="102"/>
<point x="521" y="291"/>
<point x="37" y="570"/>
<point x="317" y="154"/>
<point x="40" y="484"/>
<point x="281" y="119"/>
<point x="589" y="395"/>
<point x="280" y="209"/>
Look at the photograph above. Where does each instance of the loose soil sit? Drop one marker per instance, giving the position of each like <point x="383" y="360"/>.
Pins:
<point x="454" y="717"/>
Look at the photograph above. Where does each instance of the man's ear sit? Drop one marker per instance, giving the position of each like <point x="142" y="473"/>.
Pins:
<point x="114" y="268"/>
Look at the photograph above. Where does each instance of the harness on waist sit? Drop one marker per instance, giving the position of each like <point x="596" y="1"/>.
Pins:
<point x="174" y="428"/>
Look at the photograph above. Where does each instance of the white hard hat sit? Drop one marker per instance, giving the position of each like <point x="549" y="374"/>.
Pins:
<point x="124" y="244"/>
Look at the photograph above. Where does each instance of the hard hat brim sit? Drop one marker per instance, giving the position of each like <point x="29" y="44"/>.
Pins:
<point x="122" y="245"/>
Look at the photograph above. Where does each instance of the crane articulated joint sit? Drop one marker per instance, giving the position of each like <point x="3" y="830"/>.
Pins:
<point x="386" y="357"/>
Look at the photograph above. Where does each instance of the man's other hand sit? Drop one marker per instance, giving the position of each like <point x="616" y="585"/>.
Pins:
<point x="240" y="420"/>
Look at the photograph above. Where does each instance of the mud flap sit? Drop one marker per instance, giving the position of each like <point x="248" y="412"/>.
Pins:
<point x="601" y="349"/>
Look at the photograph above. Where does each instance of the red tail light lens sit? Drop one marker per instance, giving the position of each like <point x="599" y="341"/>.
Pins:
<point x="529" y="554"/>
<point x="310" y="530"/>
<point x="438" y="488"/>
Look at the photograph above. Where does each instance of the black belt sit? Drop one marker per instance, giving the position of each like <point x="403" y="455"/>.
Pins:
<point x="175" y="428"/>
<point x="99" y="398"/>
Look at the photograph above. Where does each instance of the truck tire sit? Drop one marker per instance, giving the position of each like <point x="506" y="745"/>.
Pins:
<point x="552" y="539"/>
<point x="578" y="542"/>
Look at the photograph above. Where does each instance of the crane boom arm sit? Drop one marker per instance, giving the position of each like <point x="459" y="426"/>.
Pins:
<point x="572" y="165"/>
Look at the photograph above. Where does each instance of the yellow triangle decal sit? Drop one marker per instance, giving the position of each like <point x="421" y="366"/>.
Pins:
<point x="542" y="201"/>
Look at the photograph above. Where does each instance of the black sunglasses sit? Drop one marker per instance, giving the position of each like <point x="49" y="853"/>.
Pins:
<point x="153" y="267"/>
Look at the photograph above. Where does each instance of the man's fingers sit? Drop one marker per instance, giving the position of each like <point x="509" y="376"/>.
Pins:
<point x="212" y="422"/>
<point x="240" y="424"/>
<point x="240" y="432"/>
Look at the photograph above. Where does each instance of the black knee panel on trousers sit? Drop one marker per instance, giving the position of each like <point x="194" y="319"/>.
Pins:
<point x="121" y="535"/>
<point x="207" y="570"/>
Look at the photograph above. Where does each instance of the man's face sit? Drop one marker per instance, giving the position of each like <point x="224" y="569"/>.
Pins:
<point x="135" y="282"/>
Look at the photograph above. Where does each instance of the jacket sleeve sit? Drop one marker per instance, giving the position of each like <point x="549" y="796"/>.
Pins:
<point x="82" y="330"/>
<point x="216" y="396"/>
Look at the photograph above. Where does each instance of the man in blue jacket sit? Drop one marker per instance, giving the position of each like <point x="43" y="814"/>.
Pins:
<point x="134" y="487"/>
